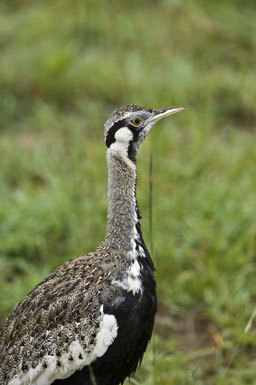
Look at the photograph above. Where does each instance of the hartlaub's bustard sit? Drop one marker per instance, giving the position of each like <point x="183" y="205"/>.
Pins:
<point x="90" y="321"/>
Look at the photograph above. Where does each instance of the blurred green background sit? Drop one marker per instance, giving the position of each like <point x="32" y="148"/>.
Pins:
<point x="64" y="66"/>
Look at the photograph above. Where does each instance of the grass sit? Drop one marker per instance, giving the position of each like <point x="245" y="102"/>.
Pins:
<point x="64" y="67"/>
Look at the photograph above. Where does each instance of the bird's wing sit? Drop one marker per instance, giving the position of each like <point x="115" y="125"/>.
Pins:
<point x="58" y="328"/>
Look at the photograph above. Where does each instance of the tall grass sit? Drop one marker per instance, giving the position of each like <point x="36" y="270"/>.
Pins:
<point x="64" y="66"/>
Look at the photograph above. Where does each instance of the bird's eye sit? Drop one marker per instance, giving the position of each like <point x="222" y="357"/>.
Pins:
<point x="137" y="121"/>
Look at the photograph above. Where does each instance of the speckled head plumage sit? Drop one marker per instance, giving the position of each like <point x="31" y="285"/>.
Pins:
<point x="135" y="122"/>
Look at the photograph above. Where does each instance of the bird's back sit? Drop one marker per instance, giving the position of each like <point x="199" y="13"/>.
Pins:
<point x="70" y="321"/>
<point x="54" y="328"/>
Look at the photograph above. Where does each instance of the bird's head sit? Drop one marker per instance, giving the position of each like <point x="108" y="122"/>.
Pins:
<point x="127" y="127"/>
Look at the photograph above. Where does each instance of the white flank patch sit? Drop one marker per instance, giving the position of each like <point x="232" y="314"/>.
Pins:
<point x="106" y="335"/>
<point x="46" y="376"/>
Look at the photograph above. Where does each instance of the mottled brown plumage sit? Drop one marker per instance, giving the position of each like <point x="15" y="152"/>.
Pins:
<point x="62" y="308"/>
<point x="90" y="321"/>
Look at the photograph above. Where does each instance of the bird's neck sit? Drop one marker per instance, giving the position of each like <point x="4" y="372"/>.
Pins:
<point x="123" y="217"/>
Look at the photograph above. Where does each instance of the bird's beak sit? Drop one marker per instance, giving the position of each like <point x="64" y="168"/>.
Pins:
<point x="163" y="112"/>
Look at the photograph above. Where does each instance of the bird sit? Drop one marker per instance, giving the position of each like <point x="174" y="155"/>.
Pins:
<point x="89" y="322"/>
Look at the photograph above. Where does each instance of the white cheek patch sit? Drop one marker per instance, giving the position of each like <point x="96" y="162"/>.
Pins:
<point x="123" y="137"/>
